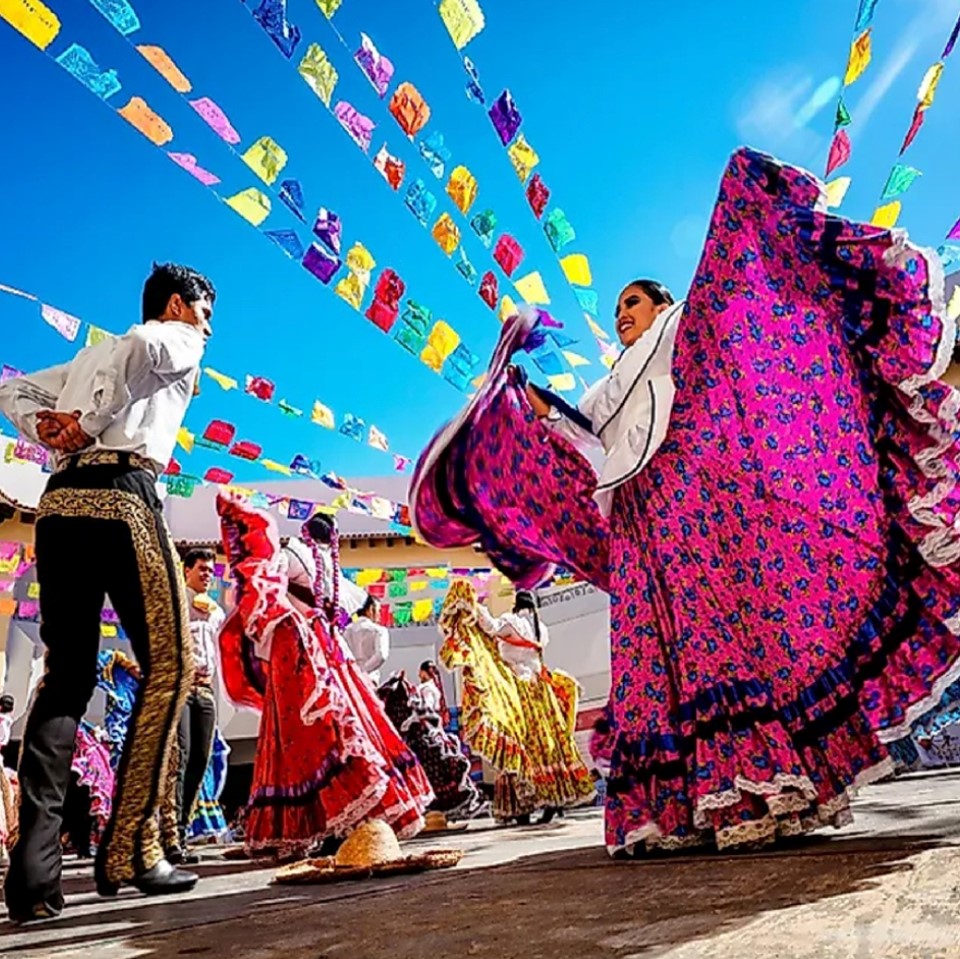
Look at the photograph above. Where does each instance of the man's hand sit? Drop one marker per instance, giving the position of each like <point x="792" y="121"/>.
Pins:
<point x="62" y="431"/>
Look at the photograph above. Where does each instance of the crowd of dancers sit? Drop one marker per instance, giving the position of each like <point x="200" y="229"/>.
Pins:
<point x="775" y="520"/>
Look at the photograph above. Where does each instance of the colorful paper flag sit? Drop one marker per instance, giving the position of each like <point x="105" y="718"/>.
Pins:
<point x="929" y="84"/>
<point x="162" y="62"/>
<point x="839" y="151"/>
<point x="915" y="123"/>
<point x="531" y="288"/>
<point x="463" y="20"/>
<point x="37" y="22"/>
<point x="216" y="119"/>
<point x="252" y="204"/>
<point x="523" y="157"/>
<point x="188" y="162"/>
<point x="266" y="158"/>
<point x="378" y="440"/>
<point x="139" y="115"/>
<point x="66" y="325"/>
<point x="900" y="179"/>
<point x="221" y="379"/>
<point x="576" y="268"/>
<point x="886" y="216"/>
<point x="859" y="60"/>
<point x="836" y="190"/>
<point x="323" y="416"/>
<point x="185" y="439"/>
<point x="319" y="73"/>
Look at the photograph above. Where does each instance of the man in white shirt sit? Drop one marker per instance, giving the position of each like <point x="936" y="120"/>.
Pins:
<point x="198" y="721"/>
<point x="368" y="640"/>
<point x="111" y="418"/>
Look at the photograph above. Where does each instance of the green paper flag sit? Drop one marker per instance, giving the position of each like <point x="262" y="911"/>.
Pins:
<point x="900" y="179"/>
<point x="843" y="115"/>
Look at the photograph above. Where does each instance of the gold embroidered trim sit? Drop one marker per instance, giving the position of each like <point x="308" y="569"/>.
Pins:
<point x="132" y="839"/>
<point x="106" y="458"/>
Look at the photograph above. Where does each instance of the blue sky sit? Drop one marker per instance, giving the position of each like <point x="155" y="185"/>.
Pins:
<point x="633" y="108"/>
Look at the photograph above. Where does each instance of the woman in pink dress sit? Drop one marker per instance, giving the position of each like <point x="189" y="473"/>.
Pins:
<point x="327" y="757"/>
<point x="775" y="519"/>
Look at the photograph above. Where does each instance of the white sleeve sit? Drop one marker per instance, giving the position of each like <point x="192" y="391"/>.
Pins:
<point x="22" y="397"/>
<point x="140" y="363"/>
<point x="487" y="621"/>
<point x="574" y="432"/>
<point x="380" y="651"/>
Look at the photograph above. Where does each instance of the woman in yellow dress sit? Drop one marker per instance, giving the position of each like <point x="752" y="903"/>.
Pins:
<point x="516" y="714"/>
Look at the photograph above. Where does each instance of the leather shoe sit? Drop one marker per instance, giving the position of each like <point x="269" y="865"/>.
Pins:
<point x="164" y="879"/>
<point x="39" y="912"/>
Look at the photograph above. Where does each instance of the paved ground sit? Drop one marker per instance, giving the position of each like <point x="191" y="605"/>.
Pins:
<point x="888" y="886"/>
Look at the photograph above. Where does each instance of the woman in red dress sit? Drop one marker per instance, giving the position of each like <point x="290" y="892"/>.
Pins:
<point x="327" y="757"/>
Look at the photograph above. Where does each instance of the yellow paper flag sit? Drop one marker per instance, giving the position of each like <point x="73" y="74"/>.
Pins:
<point x="562" y="382"/>
<point x="836" y="190"/>
<point x="351" y="289"/>
<point x="138" y="114"/>
<point x="953" y="307"/>
<point x="108" y="630"/>
<point x="319" y="73"/>
<point x="607" y="360"/>
<point x="446" y="233"/>
<point x="523" y="157"/>
<point x="595" y="328"/>
<point x="531" y="288"/>
<point x="367" y="577"/>
<point x="462" y="188"/>
<point x="928" y="86"/>
<point x="266" y="158"/>
<point x="418" y="586"/>
<point x="329" y="7"/>
<point x="360" y="259"/>
<point x="576" y="268"/>
<point x="276" y="467"/>
<point x="251" y="204"/>
<point x="886" y="215"/>
<point x="185" y="439"/>
<point x="323" y="416"/>
<point x="33" y="591"/>
<point x="463" y="20"/>
<point x="161" y="61"/>
<point x="442" y="340"/>
<point x="507" y="308"/>
<point x="859" y="58"/>
<point x="38" y="23"/>
<point x="575" y="359"/>
<point x="221" y="379"/>
<point x="422" y="610"/>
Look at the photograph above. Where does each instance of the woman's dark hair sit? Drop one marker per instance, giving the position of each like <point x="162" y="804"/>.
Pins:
<point x="195" y="555"/>
<point x="525" y="600"/>
<point x="320" y="526"/>
<point x="368" y="606"/>
<point x="429" y="666"/>
<point x="656" y="291"/>
<point x="6" y="703"/>
<point x="169" y="278"/>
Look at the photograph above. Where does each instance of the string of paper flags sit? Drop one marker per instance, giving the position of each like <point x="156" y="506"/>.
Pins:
<point x="434" y="342"/>
<point x="410" y="110"/>
<point x="465" y="20"/>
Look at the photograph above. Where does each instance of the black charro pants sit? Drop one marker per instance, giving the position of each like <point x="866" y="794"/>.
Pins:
<point x="100" y="532"/>
<point x="195" y="734"/>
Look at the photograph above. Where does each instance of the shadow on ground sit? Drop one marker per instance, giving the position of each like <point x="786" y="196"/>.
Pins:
<point x="572" y="903"/>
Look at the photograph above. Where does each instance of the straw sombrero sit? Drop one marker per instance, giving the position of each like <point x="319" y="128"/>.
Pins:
<point x="438" y="822"/>
<point x="371" y="850"/>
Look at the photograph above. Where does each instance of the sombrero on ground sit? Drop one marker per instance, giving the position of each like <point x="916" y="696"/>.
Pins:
<point x="371" y="850"/>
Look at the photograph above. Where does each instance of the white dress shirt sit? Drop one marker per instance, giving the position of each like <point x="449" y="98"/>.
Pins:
<point x="206" y="618"/>
<point x="370" y="644"/>
<point x="429" y="695"/>
<point x="516" y="636"/>
<point x="629" y="408"/>
<point x="132" y="391"/>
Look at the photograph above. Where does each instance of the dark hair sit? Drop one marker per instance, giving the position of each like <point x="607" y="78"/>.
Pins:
<point x="527" y="600"/>
<point x="428" y="666"/>
<point x="321" y="527"/>
<point x="169" y="278"/>
<point x="656" y="291"/>
<point x="6" y="703"/>
<point x="195" y="555"/>
<point x="368" y="605"/>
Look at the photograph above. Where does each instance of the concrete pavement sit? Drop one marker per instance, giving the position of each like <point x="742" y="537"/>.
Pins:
<point x="887" y="886"/>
